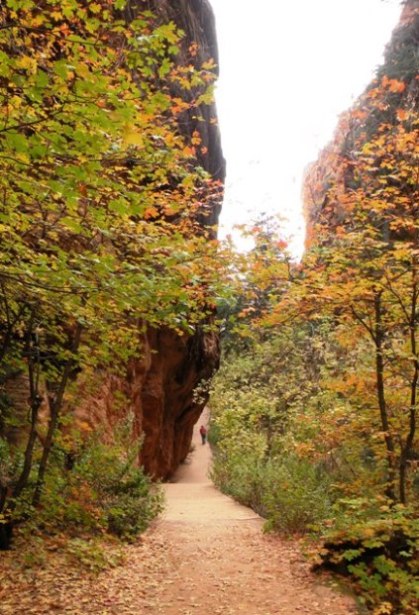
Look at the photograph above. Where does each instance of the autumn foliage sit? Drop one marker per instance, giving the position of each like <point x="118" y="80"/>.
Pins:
<point x="105" y="224"/>
<point x="315" y="410"/>
<point x="101" y="221"/>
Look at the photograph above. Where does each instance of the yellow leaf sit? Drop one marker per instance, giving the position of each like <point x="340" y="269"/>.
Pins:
<point x="27" y="63"/>
<point x="37" y="21"/>
<point x="133" y="137"/>
<point x="23" y="157"/>
<point x="83" y="70"/>
<point x="95" y="7"/>
<point x="15" y="102"/>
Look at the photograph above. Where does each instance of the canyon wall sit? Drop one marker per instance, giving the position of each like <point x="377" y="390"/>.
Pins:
<point x="388" y="106"/>
<point x="159" y="386"/>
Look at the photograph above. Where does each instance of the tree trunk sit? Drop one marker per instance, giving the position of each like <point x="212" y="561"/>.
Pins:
<point x="32" y="352"/>
<point x="56" y="406"/>
<point x="408" y="445"/>
<point x="5" y="528"/>
<point x="380" y="383"/>
<point x="36" y="400"/>
<point x="27" y="464"/>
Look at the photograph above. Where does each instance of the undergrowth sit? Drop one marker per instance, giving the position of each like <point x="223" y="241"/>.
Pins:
<point x="102" y="494"/>
<point x="272" y="453"/>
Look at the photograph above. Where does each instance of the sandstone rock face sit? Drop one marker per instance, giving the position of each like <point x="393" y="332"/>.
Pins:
<point x="159" y="386"/>
<point x="196" y="19"/>
<point x="359" y="125"/>
<point x="157" y="395"/>
<point x="169" y="406"/>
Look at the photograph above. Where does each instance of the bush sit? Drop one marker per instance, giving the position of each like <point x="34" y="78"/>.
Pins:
<point x="123" y="499"/>
<point x="130" y="511"/>
<point x="377" y="545"/>
<point x="290" y="493"/>
<point x="297" y="496"/>
<point x="240" y="477"/>
<point x="104" y="491"/>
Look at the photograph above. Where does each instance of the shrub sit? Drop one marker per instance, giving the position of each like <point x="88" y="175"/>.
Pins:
<point x="240" y="477"/>
<point x="121" y="498"/>
<point x="104" y="491"/>
<point x="290" y="493"/>
<point x="377" y="545"/>
<point x="297" y="496"/>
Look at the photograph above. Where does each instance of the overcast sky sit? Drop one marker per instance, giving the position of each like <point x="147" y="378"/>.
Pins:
<point x="288" y="69"/>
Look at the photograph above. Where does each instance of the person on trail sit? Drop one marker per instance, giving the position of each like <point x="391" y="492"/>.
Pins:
<point x="203" y="433"/>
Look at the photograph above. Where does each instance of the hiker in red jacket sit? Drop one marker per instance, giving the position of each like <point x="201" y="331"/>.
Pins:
<point x="203" y="433"/>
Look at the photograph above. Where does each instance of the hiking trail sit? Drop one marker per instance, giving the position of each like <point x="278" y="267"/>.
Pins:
<point x="206" y="555"/>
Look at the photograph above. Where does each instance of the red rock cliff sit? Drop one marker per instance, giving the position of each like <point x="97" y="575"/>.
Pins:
<point x="391" y="97"/>
<point x="160" y="385"/>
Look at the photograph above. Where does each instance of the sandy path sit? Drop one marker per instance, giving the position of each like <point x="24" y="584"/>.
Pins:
<point x="206" y="555"/>
<point x="191" y="497"/>
<point x="218" y="561"/>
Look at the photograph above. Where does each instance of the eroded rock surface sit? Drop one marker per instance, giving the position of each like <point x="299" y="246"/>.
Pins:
<point x="395" y="89"/>
<point x="159" y="386"/>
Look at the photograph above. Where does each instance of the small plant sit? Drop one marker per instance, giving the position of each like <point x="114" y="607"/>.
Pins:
<point x="296" y="496"/>
<point x="35" y="555"/>
<point x="113" y="491"/>
<point x="239" y="477"/>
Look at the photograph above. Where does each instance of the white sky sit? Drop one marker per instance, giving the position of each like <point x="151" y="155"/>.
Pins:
<point x="288" y="69"/>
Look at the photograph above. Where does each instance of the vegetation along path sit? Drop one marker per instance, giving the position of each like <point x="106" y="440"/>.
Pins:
<point x="205" y="555"/>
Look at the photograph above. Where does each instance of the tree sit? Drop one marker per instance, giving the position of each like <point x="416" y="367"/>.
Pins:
<point x="100" y="199"/>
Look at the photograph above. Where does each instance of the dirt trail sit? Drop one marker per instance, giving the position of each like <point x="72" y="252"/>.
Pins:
<point x="206" y="555"/>
<point x="218" y="562"/>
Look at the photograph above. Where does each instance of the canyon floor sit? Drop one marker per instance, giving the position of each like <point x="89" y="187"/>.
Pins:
<point x="206" y="555"/>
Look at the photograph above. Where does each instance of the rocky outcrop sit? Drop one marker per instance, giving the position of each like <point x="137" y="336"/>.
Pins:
<point x="391" y="95"/>
<point x="158" y="392"/>
<point x="199" y="46"/>
<point x="158" y="395"/>
<point x="196" y="19"/>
